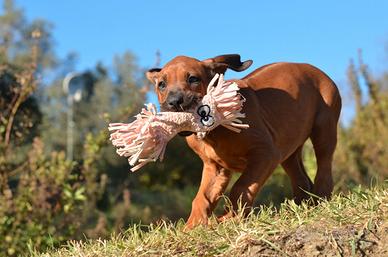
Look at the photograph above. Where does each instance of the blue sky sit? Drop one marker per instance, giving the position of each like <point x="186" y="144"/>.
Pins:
<point x="325" y="33"/>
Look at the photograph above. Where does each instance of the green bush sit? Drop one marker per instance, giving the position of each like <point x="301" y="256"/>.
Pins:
<point x="40" y="205"/>
<point x="47" y="200"/>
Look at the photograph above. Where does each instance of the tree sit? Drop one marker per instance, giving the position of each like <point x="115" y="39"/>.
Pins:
<point x="362" y="152"/>
<point x="42" y="197"/>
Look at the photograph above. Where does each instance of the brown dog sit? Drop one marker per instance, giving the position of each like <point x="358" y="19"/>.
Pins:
<point x="286" y="103"/>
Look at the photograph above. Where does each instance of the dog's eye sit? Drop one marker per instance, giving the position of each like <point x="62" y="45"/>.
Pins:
<point x="162" y="85"/>
<point x="193" y="79"/>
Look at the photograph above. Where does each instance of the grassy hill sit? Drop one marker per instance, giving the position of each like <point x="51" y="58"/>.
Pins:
<point x="349" y="225"/>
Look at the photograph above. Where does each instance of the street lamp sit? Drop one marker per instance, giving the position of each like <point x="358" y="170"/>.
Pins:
<point x="72" y="86"/>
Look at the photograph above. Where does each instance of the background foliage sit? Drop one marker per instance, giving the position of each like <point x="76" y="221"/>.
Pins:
<point x="46" y="199"/>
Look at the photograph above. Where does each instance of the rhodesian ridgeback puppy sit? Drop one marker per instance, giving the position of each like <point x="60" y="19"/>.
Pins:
<point x="286" y="103"/>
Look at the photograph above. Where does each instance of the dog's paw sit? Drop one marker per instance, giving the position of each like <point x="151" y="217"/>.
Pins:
<point x="194" y="221"/>
<point x="226" y="216"/>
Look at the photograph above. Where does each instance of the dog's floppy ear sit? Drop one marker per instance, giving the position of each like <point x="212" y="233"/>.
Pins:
<point x="151" y="74"/>
<point x="232" y="61"/>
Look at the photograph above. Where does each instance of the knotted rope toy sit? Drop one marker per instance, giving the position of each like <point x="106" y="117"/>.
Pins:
<point x="145" y="139"/>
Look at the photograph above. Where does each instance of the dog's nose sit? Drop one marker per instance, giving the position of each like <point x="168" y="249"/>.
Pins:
<point x="175" y="100"/>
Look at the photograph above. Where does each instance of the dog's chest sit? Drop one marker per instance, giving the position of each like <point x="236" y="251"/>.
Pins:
<point x="225" y="159"/>
<point x="228" y="149"/>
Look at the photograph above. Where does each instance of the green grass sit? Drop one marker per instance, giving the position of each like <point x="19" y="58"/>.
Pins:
<point x="349" y="225"/>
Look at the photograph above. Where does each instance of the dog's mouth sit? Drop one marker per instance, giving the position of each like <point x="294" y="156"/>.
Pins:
<point x="190" y="101"/>
<point x="185" y="133"/>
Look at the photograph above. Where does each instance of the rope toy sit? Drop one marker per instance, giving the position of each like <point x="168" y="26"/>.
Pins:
<point x="145" y="139"/>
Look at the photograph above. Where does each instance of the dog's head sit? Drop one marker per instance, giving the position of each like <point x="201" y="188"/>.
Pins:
<point x="183" y="81"/>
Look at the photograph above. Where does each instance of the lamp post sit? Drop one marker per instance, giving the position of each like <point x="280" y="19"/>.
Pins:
<point x="74" y="94"/>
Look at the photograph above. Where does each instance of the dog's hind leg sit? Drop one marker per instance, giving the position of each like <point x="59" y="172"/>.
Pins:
<point x="324" y="139"/>
<point x="299" y="179"/>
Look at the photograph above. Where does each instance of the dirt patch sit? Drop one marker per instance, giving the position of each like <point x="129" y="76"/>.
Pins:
<point x="370" y="240"/>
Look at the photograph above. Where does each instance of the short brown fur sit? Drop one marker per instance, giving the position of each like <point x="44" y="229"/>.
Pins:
<point x="286" y="103"/>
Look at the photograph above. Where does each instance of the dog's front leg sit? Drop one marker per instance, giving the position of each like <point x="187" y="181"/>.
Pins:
<point x="214" y="181"/>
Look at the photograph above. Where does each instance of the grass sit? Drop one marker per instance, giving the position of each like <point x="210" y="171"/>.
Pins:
<point x="349" y="225"/>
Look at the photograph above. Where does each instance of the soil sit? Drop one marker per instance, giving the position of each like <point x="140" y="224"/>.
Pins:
<point x="319" y="241"/>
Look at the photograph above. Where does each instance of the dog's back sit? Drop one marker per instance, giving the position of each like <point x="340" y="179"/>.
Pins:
<point x="292" y="98"/>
